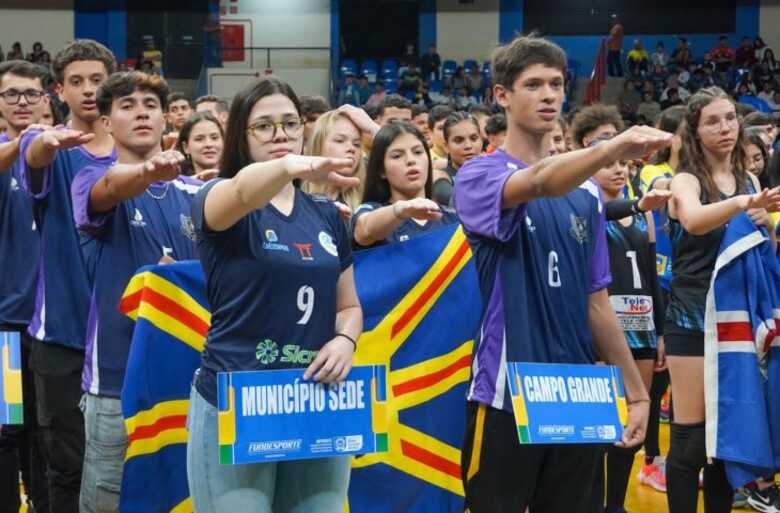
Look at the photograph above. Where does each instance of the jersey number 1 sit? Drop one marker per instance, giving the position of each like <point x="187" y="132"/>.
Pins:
<point x="631" y="255"/>
<point x="305" y="303"/>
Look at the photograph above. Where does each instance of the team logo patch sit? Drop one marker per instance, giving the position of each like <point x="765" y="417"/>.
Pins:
<point x="530" y="224"/>
<point x="270" y="236"/>
<point x="14" y="184"/>
<point x="138" y="219"/>
<point x="187" y="227"/>
<point x="403" y="238"/>
<point x="326" y="241"/>
<point x="579" y="228"/>
<point x="267" y="351"/>
<point x="304" y="250"/>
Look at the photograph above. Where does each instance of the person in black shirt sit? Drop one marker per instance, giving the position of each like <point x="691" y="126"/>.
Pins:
<point x="636" y="297"/>
<point x="462" y="142"/>
<point x="430" y="64"/>
<point x="710" y="188"/>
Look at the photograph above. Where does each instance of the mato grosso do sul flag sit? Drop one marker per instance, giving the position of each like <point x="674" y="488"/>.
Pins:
<point x="421" y="307"/>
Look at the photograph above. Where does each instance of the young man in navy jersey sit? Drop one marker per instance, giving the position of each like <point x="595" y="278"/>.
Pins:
<point x="137" y="212"/>
<point x="22" y="102"/>
<point x="50" y="161"/>
<point x="543" y="268"/>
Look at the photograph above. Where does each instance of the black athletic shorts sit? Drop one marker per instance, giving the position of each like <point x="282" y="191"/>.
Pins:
<point x="679" y="343"/>
<point x="502" y="476"/>
<point x="644" y="353"/>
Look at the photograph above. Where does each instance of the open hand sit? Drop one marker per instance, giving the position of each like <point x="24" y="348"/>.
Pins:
<point x="64" y="139"/>
<point x="332" y="363"/>
<point x="163" y="167"/>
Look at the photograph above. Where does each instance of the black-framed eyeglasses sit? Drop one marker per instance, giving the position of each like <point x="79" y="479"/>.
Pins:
<point x="32" y="96"/>
<point x="265" y="131"/>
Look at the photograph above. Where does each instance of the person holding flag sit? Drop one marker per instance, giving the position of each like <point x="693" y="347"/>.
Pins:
<point x="711" y="186"/>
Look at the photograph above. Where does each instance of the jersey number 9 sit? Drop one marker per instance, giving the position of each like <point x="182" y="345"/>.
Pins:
<point x="305" y="303"/>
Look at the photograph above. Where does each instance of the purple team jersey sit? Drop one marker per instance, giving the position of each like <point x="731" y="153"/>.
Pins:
<point x="538" y="263"/>
<point x="62" y="295"/>
<point x="138" y="232"/>
<point x="19" y="249"/>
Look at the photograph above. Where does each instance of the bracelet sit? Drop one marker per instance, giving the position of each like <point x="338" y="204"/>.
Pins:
<point x="348" y="338"/>
<point x="635" y="207"/>
<point x="395" y="212"/>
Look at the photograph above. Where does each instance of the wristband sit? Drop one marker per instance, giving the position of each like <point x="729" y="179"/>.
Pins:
<point x="635" y="207"/>
<point x="395" y="212"/>
<point x="348" y="338"/>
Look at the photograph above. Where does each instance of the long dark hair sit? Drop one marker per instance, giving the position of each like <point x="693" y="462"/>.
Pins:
<point x="235" y="154"/>
<point x="377" y="187"/>
<point x="186" y="129"/>
<point x="692" y="159"/>
<point x="753" y="137"/>
<point x="455" y="118"/>
<point x="669" y="120"/>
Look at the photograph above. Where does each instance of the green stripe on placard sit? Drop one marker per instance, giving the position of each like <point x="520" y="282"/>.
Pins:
<point x="525" y="436"/>
<point x="225" y="454"/>
<point x="380" y="440"/>
<point x="16" y="413"/>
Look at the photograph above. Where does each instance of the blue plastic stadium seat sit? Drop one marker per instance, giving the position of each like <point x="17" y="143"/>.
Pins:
<point x="389" y="68"/>
<point x="758" y="103"/>
<point x="369" y="68"/>
<point x="348" y="65"/>
<point x="470" y="64"/>
<point x="435" y="86"/>
<point x="391" y="85"/>
<point x="448" y="68"/>
<point x="409" y="95"/>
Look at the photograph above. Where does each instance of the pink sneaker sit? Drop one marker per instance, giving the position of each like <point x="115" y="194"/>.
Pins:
<point x="653" y="475"/>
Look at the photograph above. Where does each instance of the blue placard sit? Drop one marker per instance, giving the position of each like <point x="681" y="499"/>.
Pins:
<point x="11" y="403"/>
<point x="275" y="415"/>
<point x="567" y="404"/>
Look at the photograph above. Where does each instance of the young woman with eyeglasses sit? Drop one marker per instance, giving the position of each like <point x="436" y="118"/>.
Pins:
<point x="278" y="267"/>
<point x="710" y="187"/>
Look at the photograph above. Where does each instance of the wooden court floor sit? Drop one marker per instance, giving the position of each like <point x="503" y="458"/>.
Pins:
<point x="639" y="498"/>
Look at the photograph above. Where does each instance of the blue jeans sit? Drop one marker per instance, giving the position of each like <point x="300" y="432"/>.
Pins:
<point x="104" y="456"/>
<point x="305" y="486"/>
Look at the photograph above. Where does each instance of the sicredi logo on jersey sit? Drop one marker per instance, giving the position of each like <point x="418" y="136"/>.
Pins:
<point x="272" y="243"/>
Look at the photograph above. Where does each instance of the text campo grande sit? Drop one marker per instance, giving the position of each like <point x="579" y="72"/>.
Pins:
<point x="554" y="389"/>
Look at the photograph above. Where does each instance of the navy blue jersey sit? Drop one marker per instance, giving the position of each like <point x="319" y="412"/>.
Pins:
<point x="63" y="289"/>
<point x="634" y="288"/>
<point x="409" y="228"/>
<point x="138" y="232"/>
<point x="271" y="283"/>
<point x="538" y="263"/>
<point x="19" y="249"/>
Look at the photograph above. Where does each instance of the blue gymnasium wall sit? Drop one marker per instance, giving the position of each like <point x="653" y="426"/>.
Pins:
<point x="104" y="21"/>
<point x="584" y="48"/>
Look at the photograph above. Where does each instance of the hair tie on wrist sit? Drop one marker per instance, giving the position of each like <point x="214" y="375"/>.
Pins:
<point x="348" y="338"/>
